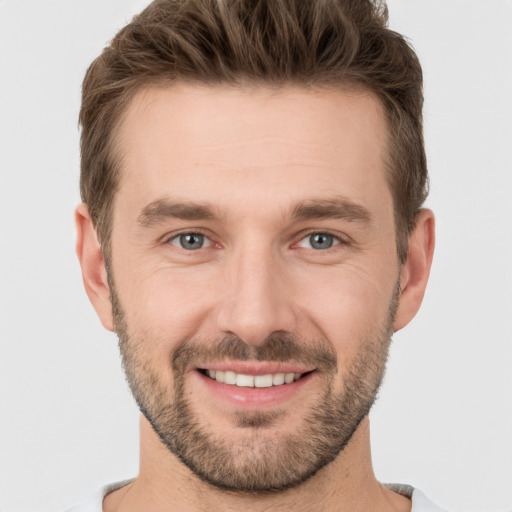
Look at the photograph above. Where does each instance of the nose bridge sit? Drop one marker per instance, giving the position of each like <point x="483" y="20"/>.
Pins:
<point x="256" y="300"/>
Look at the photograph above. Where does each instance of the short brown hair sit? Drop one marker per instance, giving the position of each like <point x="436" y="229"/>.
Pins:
<point x="303" y="42"/>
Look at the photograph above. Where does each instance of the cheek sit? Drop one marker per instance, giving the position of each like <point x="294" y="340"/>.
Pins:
<point x="161" y="311"/>
<point x="163" y="306"/>
<point x="349" y="306"/>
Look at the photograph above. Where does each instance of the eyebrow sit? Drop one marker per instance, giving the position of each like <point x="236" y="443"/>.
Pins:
<point x="335" y="208"/>
<point x="162" y="209"/>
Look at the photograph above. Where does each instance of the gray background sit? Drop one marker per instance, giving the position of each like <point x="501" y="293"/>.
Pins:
<point x="444" y="419"/>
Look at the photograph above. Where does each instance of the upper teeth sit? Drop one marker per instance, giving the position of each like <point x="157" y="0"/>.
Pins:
<point x="253" y="381"/>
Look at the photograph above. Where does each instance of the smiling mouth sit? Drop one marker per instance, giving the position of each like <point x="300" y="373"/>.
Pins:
<point x="252" y="381"/>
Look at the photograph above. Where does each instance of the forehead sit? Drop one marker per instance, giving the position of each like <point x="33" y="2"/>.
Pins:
<point x="226" y="142"/>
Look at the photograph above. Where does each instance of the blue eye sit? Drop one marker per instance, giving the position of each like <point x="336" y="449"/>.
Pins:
<point x="190" y="241"/>
<point x="319" y="241"/>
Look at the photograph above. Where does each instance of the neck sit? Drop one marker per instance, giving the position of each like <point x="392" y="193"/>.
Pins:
<point x="165" y="483"/>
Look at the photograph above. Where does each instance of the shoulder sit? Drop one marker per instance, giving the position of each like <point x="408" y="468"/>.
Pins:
<point x="95" y="503"/>
<point x="420" y="503"/>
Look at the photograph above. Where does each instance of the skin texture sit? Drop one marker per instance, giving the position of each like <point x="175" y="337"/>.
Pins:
<point x="256" y="172"/>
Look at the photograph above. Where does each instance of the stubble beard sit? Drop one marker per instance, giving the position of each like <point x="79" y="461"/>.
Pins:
<point x="256" y="462"/>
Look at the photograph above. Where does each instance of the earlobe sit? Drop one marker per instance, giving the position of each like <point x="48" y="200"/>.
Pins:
<point x="94" y="273"/>
<point x="416" y="270"/>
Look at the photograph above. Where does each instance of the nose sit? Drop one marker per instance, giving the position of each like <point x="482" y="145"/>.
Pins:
<point x="257" y="296"/>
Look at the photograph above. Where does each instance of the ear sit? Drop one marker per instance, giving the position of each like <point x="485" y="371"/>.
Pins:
<point x="415" y="271"/>
<point x="94" y="272"/>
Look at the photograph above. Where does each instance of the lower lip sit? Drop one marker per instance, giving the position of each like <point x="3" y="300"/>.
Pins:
<point x="254" y="398"/>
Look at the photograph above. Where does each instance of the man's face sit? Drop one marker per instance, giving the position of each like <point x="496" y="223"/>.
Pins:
<point x="254" y="274"/>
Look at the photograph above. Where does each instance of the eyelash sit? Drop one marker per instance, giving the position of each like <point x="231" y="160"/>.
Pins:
<point x="177" y="237"/>
<point x="337" y="240"/>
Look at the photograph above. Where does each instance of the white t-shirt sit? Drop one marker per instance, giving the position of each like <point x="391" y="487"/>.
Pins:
<point x="420" y="503"/>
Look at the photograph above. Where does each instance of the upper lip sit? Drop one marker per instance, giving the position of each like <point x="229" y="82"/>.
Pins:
<point x="256" y="367"/>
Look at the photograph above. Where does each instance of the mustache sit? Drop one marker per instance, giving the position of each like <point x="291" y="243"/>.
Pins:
<point x="279" y="346"/>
